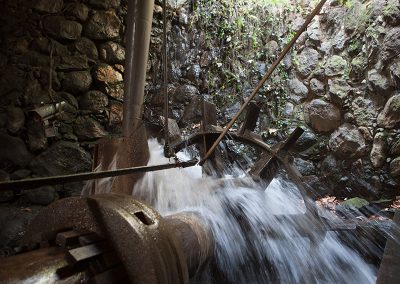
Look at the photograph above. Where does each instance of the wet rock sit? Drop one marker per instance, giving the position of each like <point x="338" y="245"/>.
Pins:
<point x="317" y="87"/>
<point x="395" y="167"/>
<point x="95" y="101"/>
<point x="377" y="82"/>
<point x="77" y="82"/>
<point x="61" y="28"/>
<point x="330" y="167"/>
<point x="347" y="142"/>
<point x="305" y="141"/>
<point x="86" y="128"/>
<point x="390" y="115"/>
<point x="13" y="151"/>
<point x="394" y="70"/>
<point x="185" y="93"/>
<point x="335" y="66"/>
<point x="105" y="4"/>
<point x="288" y="110"/>
<point x="86" y="47"/>
<point x="306" y="168"/>
<point x="314" y="33"/>
<point x="61" y="158"/>
<point x="378" y="152"/>
<point x="194" y="72"/>
<point x="307" y="61"/>
<point x="15" y="119"/>
<point x="48" y="6"/>
<point x="115" y="91"/>
<point x="103" y="25"/>
<point x="192" y="112"/>
<point x="364" y="111"/>
<point x="112" y="52"/>
<point x="298" y="89"/>
<point x="78" y="10"/>
<point x="41" y="196"/>
<point x="322" y="116"/>
<point x="72" y="63"/>
<point x="106" y="74"/>
<point x="43" y="45"/>
<point x="339" y="90"/>
<point x="37" y="139"/>
<point x="391" y="45"/>
<point x="271" y="48"/>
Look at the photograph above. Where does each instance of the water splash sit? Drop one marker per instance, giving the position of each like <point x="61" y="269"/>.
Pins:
<point x="253" y="243"/>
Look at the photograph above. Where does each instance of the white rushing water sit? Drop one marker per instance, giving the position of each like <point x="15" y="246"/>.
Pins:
<point x="244" y="221"/>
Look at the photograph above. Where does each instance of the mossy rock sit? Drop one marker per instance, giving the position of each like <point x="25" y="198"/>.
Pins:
<point x="355" y="202"/>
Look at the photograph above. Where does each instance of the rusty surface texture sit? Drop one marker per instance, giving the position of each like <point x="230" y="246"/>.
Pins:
<point x="122" y="230"/>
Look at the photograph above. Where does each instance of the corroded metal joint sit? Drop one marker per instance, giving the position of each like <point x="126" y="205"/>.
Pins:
<point x="147" y="247"/>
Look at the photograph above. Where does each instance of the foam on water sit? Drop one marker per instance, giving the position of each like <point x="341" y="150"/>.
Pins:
<point x="244" y="221"/>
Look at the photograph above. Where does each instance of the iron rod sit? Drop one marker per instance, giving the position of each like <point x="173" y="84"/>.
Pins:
<point x="266" y="76"/>
<point x="54" y="180"/>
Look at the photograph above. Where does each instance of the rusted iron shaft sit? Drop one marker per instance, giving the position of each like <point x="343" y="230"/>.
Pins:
<point x="37" y="182"/>
<point x="266" y="76"/>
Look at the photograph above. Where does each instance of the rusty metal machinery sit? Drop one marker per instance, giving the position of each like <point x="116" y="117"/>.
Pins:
<point x="108" y="239"/>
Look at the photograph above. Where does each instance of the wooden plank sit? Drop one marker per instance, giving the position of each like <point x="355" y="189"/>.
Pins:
<point x="250" y="121"/>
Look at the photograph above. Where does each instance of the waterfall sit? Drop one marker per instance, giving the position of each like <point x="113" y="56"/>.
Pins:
<point x="254" y="241"/>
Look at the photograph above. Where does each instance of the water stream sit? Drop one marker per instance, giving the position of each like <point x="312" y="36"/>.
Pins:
<point x="253" y="243"/>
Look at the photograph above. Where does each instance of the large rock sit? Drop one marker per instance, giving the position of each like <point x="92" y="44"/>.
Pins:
<point x="103" y="25"/>
<point x="116" y="116"/>
<point x="364" y="111"/>
<point x="95" y="101"/>
<point x="192" y="112"/>
<point x="13" y="151"/>
<point x="395" y="167"/>
<point x="46" y="6"/>
<point x="74" y="62"/>
<point x="115" y="91"/>
<point x="78" y="10"/>
<point x="390" y="115"/>
<point x="347" y="142"/>
<point x="61" y="28"/>
<point x="395" y="148"/>
<point x="391" y="45"/>
<point x="185" y="93"/>
<point x="60" y="159"/>
<point x="358" y="66"/>
<point x="335" y="66"/>
<point x="86" y="128"/>
<point x="394" y="69"/>
<point x="106" y="74"/>
<point x="77" y="82"/>
<point x="305" y="141"/>
<point x="105" y="4"/>
<point x="339" y="90"/>
<point x="298" y="90"/>
<point x="37" y="139"/>
<point x="307" y="60"/>
<point x="378" y="83"/>
<point x="378" y="152"/>
<point x="322" y="116"/>
<point x="112" y="52"/>
<point x="87" y="47"/>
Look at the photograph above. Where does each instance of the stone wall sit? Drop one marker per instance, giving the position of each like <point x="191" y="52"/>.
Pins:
<point x="58" y="51"/>
<point x="340" y="82"/>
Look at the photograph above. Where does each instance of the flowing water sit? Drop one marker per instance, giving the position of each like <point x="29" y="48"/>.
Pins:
<point x="253" y="243"/>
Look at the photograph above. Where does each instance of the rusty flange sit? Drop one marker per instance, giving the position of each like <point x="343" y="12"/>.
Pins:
<point x="144" y="242"/>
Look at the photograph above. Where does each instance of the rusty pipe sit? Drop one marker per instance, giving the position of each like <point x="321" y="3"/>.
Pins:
<point x="148" y="247"/>
<point x="139" y="21"/>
